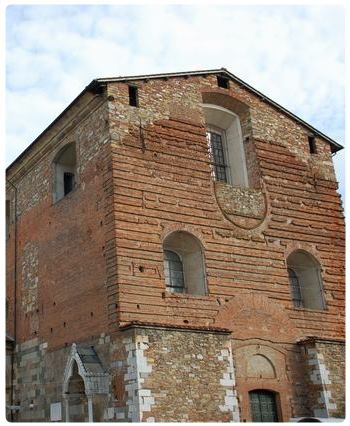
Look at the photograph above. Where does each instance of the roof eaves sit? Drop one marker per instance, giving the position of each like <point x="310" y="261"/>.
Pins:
<point x="162" y="75"/>
<point x="337" y="146"/>
<point x="96" y="84"/>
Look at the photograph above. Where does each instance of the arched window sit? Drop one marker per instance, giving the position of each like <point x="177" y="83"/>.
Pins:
<point x="225" y="145"/>
<point x="183" y="264"/>
<point x="305" y="280"/>
<point x="65" y="171"/>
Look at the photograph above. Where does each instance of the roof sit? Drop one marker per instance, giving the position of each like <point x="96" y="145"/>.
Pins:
<point x="90" y="359"/>
<point x="179" y="327"/>
<point x="96" y="85"/>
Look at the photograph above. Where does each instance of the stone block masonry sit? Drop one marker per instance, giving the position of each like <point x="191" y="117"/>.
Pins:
<point x="180" y="375"/>
<point x="326" y="370"/>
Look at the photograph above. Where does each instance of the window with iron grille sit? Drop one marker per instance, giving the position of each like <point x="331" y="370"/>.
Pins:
<point x="295" y="288"/>
<point x="173" y="270"/>
<point x="217" y="155"/>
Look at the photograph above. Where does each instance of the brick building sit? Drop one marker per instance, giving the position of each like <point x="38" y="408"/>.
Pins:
<point x="175" y="252"/>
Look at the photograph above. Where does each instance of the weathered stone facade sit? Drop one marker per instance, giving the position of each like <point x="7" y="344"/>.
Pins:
<point x="88" y="269"/>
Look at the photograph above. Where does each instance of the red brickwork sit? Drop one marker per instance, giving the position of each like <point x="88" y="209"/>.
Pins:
<point x="164" y="178"/>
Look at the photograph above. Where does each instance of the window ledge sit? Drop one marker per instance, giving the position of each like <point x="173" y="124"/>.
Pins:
<point x="308" y="310"/>
<point x="169" y="295"/>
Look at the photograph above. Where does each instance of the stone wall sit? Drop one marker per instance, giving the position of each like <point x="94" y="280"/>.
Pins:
<point x="325" y="362"/>
<point x="39" y="376"/>
<point x="150" y="368"/>
<point x="334" y="360"/>
<point x="180" y="375"/>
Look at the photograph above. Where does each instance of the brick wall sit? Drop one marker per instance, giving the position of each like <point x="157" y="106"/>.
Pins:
<point x="61" y="246"/>
<point x="163" y="182"/>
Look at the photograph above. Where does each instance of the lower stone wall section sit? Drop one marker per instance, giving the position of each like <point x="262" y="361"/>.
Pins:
<point x="38" y="383"/>
<point x="326" y="377"/>
<point x="166" y="374"/>
<point x="185" y="376"/>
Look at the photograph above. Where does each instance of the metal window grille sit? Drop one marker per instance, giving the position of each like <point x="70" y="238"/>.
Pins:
<point x="295" y="288"/>
<point x="68" y="182"/>
<point x="173" y="270"/>
<point x="217" y="156"/>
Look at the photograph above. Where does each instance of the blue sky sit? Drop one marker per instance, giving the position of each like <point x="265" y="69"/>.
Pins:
<point x="293" y="54"/>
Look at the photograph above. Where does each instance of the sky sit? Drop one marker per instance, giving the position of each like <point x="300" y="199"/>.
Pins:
<point x="293" y="54"/>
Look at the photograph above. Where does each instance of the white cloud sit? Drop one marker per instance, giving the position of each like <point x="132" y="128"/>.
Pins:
<point x="294" y="54"/>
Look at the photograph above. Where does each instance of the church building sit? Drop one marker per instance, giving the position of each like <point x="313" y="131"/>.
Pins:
<point x="175" y="253"/>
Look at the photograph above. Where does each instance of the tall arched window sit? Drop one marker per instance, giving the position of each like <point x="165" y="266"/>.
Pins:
<point x="65" y="171"/>
<point x="225" y="144"/>
<point x="183" y="264"/>
<point x="305" y="280"/>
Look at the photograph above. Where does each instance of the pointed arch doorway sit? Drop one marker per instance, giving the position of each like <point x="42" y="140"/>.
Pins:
<point x="78" y="407"/>
<point x="84" y="379"/>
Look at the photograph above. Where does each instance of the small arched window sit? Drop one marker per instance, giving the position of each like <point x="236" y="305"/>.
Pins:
<point x="183" y="264"/>
<point x="305" y="280"/>
<point x="65" y="171"/>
